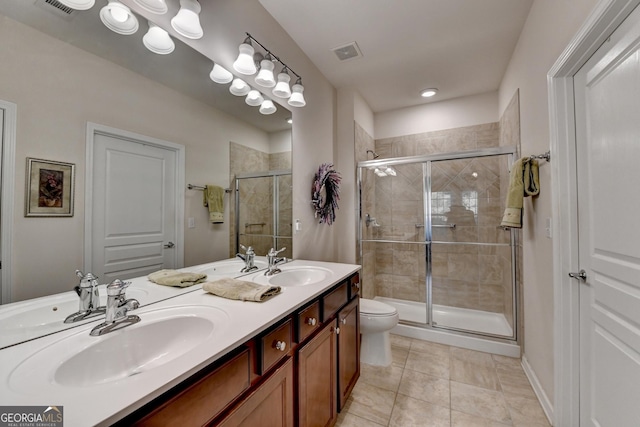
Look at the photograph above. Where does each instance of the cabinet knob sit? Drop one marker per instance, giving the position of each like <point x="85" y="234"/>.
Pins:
<point x="337" y="331"/>
<point x="281" y="345"/>
<point x="312" y="321"/>
<point x="343" y="321"/>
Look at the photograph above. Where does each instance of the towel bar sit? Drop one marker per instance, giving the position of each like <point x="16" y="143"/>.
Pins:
<point x="545" y="156"/>
<point x="201" y="188"/>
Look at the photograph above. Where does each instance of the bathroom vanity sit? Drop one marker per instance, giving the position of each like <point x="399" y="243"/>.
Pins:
<point x="198" y="359"/>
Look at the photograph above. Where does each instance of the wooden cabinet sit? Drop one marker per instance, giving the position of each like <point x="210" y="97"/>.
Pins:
<point x="275" y="345"/>
<point x="317" y="378"/>
<point x="348" y="350"/>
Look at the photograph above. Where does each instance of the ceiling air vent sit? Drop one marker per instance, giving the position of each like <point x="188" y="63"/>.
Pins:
<point x="57" y="8"/>
<point x="347" y="52"/>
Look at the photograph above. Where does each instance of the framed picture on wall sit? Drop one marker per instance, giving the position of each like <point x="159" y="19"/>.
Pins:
<point x="50" y="188"/>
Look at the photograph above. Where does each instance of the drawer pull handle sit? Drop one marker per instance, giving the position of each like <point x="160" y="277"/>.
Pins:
<point x="337" y="331"/>
<point x="281" y="345"/>
<point x="344" y="321"/>
<point x="312" y="321"/>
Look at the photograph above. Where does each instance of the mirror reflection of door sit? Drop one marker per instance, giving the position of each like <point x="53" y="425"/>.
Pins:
<point x="134" y="227"/>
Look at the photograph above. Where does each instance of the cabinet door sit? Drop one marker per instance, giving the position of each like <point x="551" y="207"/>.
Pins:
<point x="269" y="405"/>
<point x="317" y="379"/>
<point x="348" y="350"/>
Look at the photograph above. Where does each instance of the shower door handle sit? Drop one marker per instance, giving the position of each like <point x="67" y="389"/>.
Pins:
<point x="580" y="275"/>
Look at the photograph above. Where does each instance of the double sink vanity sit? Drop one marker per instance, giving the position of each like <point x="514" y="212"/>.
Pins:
<point x="194" y="358"/>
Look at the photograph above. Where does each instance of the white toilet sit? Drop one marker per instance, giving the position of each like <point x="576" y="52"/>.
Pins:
<point x="376" y="320"/>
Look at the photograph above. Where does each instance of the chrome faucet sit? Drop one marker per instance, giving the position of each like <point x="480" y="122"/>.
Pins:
<point x="117" y="308"/>
<point x="273" y="262"/>
<point x="89" y="305"/>
<point x="248" y="258"/>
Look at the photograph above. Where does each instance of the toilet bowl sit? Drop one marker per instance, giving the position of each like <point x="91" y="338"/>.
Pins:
<point x="376" y="320"/>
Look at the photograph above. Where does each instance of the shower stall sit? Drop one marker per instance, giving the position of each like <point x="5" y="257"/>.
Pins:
<point x="431" y="245"/>
<point x="262" y="214"/>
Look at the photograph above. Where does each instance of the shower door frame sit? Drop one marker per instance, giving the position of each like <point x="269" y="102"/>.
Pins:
<point x="426" y="161"/>
<point x="275" y="175"/>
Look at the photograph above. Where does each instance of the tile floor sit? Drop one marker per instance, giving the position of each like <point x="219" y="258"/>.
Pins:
<point x="431" y="384"/>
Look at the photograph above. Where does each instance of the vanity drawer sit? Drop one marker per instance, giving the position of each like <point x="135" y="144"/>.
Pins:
<point x="308" y="321"/>
<point x="333" y="301"/>
<point x="354" y="288"/>
<point x="274" y="346"/>
<point x="206" y="398"/>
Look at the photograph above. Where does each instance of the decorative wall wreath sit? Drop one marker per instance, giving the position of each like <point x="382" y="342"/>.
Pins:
<point x="325" y="193"/>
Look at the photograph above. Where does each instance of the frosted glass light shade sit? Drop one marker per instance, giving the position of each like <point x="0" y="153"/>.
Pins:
<point x="187" y="21"/>
<point x="265" y="76"/>
<point x="254" y="98"/>
<point x="282" y="89"/>
<point x="221" y="75"/>
<point x="239" y="87"/>
<point x="267" y="107"/>
<point x="158" y="7"/>
<point x="297" y="98"/>
<point x="245" y="64"/>
<point x="158" y="40"/>
<point x="79" y="4"/>
<point x="119" y="18"/>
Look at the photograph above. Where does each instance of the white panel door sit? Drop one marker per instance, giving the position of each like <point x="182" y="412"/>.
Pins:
<point x="133" y="208"/>
<point x="607" y="91"/>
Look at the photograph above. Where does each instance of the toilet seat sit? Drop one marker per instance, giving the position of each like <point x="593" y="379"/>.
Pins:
<point x="373" y="308"/>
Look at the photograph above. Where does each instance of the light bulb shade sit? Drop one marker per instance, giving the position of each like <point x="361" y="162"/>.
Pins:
<point x="239" y="87"/>
<point x="158" y="40"/>
<point x="221" y="75"/>
<point x="254" y="98"/>
<point x="187" y="21"/>
<point x="282" y="89"/>
<point x="297" y="98"/>
<point x="79" y="4"/>
<point x="158" y="7"/>
<point x="265" y="76"/>
<point x="245" y="64"/>
<point x="267" y="107"/>
<point x="119" y="18"/>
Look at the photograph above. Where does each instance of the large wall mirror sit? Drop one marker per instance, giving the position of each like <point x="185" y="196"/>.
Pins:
<point x="65" y="70"/>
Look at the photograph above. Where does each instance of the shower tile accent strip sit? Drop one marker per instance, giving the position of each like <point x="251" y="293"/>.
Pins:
<point x="431" y="384"/>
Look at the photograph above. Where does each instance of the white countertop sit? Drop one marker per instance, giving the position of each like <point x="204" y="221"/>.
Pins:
<point x="104" y="404"/>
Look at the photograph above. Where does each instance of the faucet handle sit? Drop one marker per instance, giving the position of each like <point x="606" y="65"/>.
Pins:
<point x="273" y="252"/>
<point x="248" y="250"/>
<point x="117" y="288"/>
<point x="87" y="280"/>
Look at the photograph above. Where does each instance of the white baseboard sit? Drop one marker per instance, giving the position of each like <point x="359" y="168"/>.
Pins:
<point x="546" y="404"/>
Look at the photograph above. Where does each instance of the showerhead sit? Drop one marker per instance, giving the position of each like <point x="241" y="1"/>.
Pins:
<point x="375" y="155"/>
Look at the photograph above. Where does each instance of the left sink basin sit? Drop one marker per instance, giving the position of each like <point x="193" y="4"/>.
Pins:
<point x="80" y="360"/>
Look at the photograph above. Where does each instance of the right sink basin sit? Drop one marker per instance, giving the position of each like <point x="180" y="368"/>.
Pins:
<point x="292" y="276"/>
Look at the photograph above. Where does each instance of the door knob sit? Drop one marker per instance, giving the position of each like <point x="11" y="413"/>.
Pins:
<point x="580" y="275"/>
<point x="169" y="245"/>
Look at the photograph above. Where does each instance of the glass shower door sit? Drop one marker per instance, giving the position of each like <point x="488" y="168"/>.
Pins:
<point x="472" y="286"/>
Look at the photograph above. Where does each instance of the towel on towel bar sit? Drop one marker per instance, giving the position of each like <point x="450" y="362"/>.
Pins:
<point x="240" y="290"/>
<point x="523" y="182"/>
<point x="213" y="198"/>
<point x="180" y="279"/>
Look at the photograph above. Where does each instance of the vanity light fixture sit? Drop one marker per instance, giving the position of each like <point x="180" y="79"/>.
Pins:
<point x="187" y="21"/>
<point x="254" y="98"/>
<point x="78" y="4"/>
<point x="158" y="40"/>
<point x="297" y="98"/>
<point x="265" y="76"/>
<point x="282" y="89"/>
<point x="245" y="64"/>
<point x="220" y="75"/>
<point x="267" y="107"/>
<point x="239" y="87"/>
<point x="119" y="18"/>
<point x="428" y="93"/>
<point x="159" y="7"/>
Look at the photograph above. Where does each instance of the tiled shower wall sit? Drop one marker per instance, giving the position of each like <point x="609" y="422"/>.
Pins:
<point x="466" y="276"/>
<point x="256" y="199"/>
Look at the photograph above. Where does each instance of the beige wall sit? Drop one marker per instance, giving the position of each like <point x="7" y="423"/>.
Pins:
<point x="549" y="28"/>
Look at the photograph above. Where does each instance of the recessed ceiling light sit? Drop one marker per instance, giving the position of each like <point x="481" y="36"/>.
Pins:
<point x="428" y="93"/>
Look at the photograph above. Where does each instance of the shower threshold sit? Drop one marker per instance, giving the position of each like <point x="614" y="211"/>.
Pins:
<point x="483" y="322"/>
